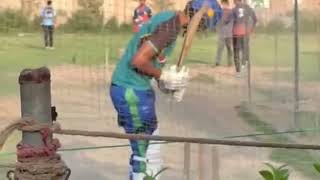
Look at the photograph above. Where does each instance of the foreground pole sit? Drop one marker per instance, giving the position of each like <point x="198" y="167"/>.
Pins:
<point x="36" y="153"/>
<point x="296" y="63"/>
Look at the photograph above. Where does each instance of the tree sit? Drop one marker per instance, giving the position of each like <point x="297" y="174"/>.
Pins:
<point x="160" y="5"/>
<point x="92" y="6"/>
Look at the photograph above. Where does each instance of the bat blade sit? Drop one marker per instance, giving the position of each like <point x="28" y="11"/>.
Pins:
<point x="191" y="31"/>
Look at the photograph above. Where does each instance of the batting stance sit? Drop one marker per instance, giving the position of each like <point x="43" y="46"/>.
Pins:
<point x="131" y="91"/>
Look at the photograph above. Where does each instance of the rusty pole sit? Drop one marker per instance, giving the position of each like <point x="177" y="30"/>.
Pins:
<point x="37" y="157"/>
<point x="35" y="95"/>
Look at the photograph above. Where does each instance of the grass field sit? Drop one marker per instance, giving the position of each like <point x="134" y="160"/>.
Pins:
<point x="18" y="52"/>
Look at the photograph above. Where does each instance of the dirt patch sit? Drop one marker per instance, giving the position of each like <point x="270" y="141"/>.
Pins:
<point x="81" y="96"/>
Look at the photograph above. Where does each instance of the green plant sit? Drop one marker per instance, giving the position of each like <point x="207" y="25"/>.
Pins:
<point x="317" y="167"/>
<point x="11" y="20"/>
<point x="153" y="177"/>
<point x="88" y="18"/>
<point x="275" y="173"/>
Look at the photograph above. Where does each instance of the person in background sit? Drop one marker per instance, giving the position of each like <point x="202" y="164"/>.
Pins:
<point x="48" y="21"/>
<point x="244" y="21"/>
<point x="142" y="15"/>
<point x="225" y="33"/>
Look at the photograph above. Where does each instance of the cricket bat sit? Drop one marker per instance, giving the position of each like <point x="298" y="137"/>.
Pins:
<point x="191" y="31"/>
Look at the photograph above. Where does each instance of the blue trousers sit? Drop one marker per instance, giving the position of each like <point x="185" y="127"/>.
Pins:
<point x="136" y="114"/>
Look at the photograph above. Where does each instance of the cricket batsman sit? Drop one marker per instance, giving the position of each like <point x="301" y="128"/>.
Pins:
<point x="131" y="91"/>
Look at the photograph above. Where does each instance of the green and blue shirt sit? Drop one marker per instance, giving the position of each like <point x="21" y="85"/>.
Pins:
<point x="161" y="33"/>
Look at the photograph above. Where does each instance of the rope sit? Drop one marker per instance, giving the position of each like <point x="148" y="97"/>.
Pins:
<point x="25" y="124"/>
<point x="186" y="140"/>
<point x="45" y="168"/>
<point x="128" y="145"/>
<point x="36" y="163"/>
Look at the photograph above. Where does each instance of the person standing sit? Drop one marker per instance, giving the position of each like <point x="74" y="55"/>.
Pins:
<point x="225" y="33"/>
<point x="48" y="21"/>
<point x="142" y="15"/>
<point x="131" y="92"/>
<point x="244" y="21"/>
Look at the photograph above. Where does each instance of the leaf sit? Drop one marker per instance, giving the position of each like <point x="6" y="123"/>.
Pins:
<point x="317" y="167"/>
<point x="267" y="175"/>
<point x="283" y="166"/>
<point x="284" y="174"/>
<point x="161" y="171"/>
<point x="273" y="169"/>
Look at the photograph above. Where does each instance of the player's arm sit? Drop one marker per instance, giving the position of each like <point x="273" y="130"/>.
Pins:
<point x="254" y="17"/>
<point x="135" y="15"/>
<point x="142" y="61"/>
<point x="149" y="11"/>
<point x="158" y="41"/>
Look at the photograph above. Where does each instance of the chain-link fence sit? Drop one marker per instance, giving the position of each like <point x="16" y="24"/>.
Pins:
<point x="218" y="104"/>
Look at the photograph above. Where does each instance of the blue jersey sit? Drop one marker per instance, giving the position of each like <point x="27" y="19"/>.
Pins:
<point x="214" y="5"/>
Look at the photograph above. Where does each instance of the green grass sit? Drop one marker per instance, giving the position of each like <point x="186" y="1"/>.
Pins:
<point x="8" y="158"/>
<point x="300" y="160"/>
<point x="17" y="53"/>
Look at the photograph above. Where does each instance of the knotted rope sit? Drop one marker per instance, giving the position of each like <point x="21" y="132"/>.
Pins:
<point x="36" y="163"/>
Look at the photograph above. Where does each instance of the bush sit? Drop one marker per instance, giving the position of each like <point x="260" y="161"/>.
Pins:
<point x="274" y="26"/>
<point x="308" y="22"/>
<point x="83" y="20"/>
<point x="88" y="19"/>
<point x="11" y="20"/>
<point x="125" y="27"/>
<point x="16" y="21"/>
<point x="112" y="24"/>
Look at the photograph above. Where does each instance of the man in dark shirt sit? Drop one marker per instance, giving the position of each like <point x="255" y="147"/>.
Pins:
<point x="244" y="21"/>
<point x="225" y="33"/>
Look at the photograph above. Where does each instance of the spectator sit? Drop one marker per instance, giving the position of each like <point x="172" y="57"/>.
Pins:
<point x="48" y="20"/>
<point x="244" y="21"/>
<point x="142" y="14"/>
<point x="225" y="33"/>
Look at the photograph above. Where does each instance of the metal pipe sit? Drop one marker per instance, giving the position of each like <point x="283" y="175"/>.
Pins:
<point x="296" y="62"/>
<point x="35" y="101"/>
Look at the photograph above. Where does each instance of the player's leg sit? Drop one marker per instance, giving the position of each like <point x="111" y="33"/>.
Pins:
<point x="241" y="47"/>
<point x="246" y="50"/>
<point x="236" y="53"/>
<point x="136" y="114"/>
<point x="50" y="35"/>
<point x="220" y="48"/>
<point x="154" y="163"/>
<point x="228" y="42"/>
<point x="147" y="113"/>
<point x="46" y="34"/>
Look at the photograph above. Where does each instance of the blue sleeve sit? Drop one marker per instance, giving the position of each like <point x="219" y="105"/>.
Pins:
<point x="213" y="4"/>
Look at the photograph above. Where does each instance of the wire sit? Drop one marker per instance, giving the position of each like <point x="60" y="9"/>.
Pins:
<point x="128" y="145"/>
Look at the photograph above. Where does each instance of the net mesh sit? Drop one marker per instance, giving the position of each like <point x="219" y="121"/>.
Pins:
<point x="216" y="105"/>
